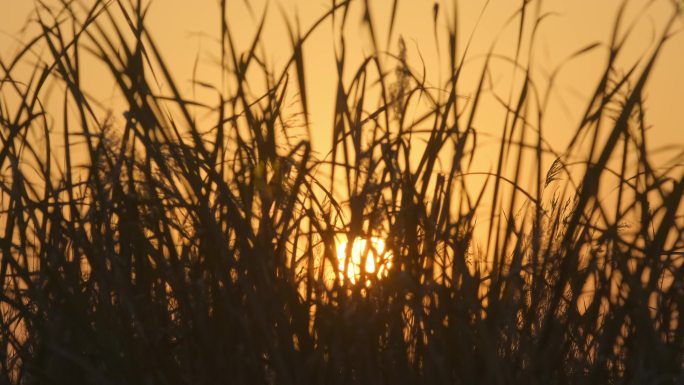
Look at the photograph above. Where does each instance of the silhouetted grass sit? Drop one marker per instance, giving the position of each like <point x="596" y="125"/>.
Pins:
<point x="158" y="247"/>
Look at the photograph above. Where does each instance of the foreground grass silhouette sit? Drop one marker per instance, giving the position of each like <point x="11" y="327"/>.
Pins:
<point x="187" y="252"/>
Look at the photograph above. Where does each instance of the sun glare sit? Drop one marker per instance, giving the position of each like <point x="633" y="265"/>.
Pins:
<point x="370" y="252"/>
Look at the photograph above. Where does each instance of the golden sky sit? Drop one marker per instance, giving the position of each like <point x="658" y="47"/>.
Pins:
<point x="189" y="31"/>
<point x="185" y="29"/>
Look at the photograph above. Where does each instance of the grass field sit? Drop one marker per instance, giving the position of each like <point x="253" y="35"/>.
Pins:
<point x="181" y="240"/>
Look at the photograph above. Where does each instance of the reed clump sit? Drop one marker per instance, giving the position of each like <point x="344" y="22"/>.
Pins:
<point x="183" y="241"/>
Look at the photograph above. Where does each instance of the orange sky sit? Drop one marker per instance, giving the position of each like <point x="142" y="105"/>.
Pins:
<point x="185" y="27"/>
<point x="186" y="30"/>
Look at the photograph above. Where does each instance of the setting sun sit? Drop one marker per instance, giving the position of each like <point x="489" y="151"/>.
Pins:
<point x="377" y="262"/>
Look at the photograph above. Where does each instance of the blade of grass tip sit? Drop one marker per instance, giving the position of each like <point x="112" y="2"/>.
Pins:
<point x="134" y="68"/>
<point x="368" y="21"/>
<point x="435" y="35"/>
<point x="298" y="55"/>
<point x="384" y="95"/>
<point x="615" y="47"/>
<point x="471" y="118"/>
<point x="556" y="71"/>
<point x="393" y="16"/>
<point x="507" y="137"/>
<point x="248" y="5"/>
<point x="184" y="108"/>
<point x="536" y="230"/>
<point x="257" y="38"/>
<point x="355" y="126"/>
<point x="340" y="114"/>
<point x="224" y="35"/>
<point x="84" y="108"/>
<point x="344" y="5"/>
<point x="453" y="40"/>
<point x="16" y="127"/>
<point x="240" y="96"/>
<point x="116" y="51"/>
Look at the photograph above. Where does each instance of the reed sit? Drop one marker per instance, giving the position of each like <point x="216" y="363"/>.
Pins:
<point x="161" y="247"/>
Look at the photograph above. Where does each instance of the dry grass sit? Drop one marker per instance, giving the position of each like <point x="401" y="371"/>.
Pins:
<point x="189" y="252"/>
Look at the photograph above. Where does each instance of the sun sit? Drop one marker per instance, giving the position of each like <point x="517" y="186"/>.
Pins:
<point x="370" y="252"/>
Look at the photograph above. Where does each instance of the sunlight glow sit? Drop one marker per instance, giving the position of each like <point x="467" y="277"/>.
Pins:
<point x="378" y="260"/>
